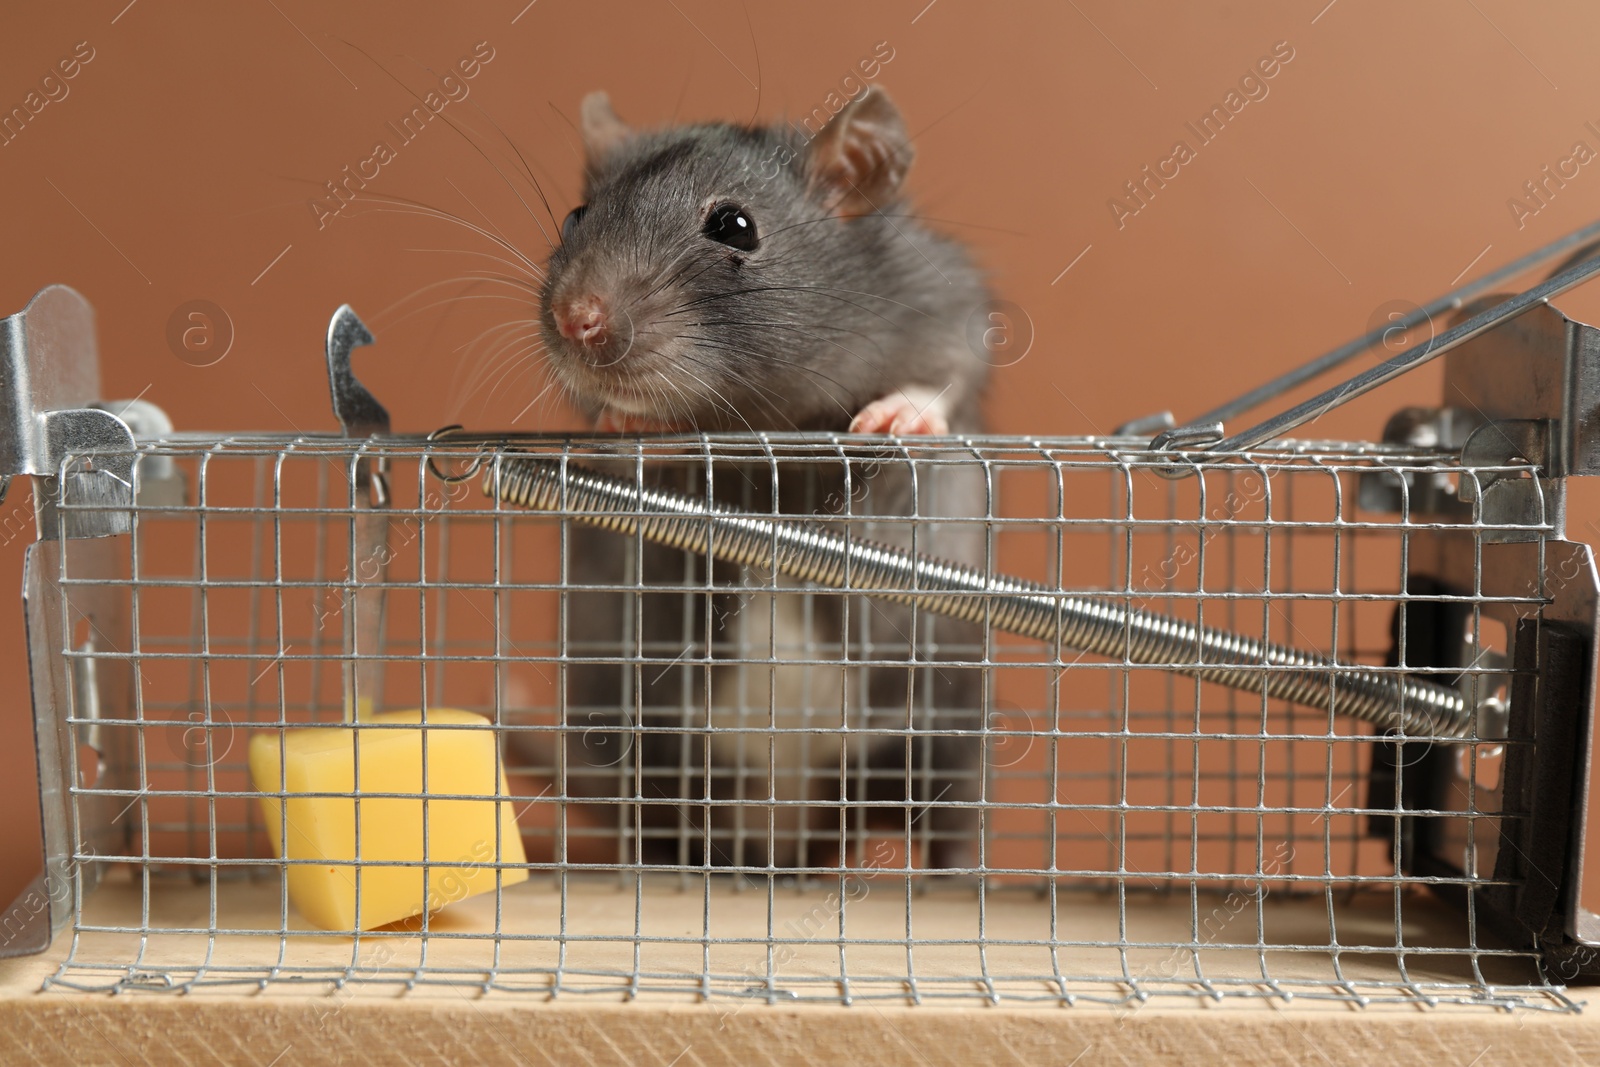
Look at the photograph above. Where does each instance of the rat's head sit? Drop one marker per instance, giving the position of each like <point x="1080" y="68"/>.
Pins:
<point x="705" y="281"/>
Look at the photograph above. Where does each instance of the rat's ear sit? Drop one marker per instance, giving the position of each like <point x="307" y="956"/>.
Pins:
<point x="860" y="158"/>
<point x="602" y="130"/>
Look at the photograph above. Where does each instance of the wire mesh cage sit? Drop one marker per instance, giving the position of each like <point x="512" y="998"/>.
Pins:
<point x="817" y="717"/>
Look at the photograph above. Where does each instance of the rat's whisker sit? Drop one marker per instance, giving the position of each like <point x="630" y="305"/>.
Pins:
<point x="383" y="316"/>
<point x="461" y="131"/>
<point x="912" y="216"/>
<point x="494" y="363"/>
<point x="494" y="346"/>
<point x="805" y="329"/>
<point x="469" y="282"/>
<point x="671" y="274"/>
<point x="758" y="358"/>
<point x="527" y="171"/>
<point x="533" y="285"/>
<point x="382" y="202"/>
<point x="485" y="215"/>
<point x="519" y="359"/>
<point x="827" y="291"/>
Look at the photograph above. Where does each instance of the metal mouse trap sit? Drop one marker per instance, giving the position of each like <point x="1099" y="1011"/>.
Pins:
<point x="821" y="717"/>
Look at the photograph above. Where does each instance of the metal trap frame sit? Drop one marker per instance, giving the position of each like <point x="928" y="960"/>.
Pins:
<point x="1251" y="717"/>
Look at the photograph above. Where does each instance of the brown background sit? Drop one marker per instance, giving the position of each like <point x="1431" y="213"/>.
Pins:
<point x="1377" y="169"/>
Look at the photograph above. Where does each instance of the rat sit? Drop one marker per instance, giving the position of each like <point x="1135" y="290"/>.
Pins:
<point x="725" y="278"/>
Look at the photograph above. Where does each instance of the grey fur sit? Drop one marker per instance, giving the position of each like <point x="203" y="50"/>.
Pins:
<point x="826" y="315"/>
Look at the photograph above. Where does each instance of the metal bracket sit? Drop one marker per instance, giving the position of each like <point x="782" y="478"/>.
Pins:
<point x="357" y="409"/>
<point x="1543" y="365"/>
<point x="361" y="416"/>
<point x="1512" y="500"/>
<point x="1553" y="657"/>
<point x="51" y="431"/>
<point x="1525" y="393"/>
<point x="1534" y="383"/>
<point x="1420" y="492"/>
<point x="49" y="378"/>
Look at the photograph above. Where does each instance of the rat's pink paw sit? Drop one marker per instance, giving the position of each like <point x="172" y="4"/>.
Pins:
<point x="903" y="415"/>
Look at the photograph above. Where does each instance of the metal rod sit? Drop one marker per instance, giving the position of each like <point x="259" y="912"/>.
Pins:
<point x="364" y="615"/>
<point x="1448" y="302"/>
<point x="1410" y="359"/>
<point x="1097" y="624"/>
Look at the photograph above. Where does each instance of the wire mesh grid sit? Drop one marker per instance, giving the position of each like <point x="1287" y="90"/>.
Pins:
<point x="730" y="784"/>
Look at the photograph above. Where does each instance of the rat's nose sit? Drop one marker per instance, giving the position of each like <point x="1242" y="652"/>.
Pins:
<point x="582" y="319"/>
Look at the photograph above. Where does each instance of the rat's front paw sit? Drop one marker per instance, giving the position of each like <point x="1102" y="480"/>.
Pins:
<point x="914" y="410"/>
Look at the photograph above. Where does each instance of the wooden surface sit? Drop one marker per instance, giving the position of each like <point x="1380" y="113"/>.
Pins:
<point x="311" y="1022"/>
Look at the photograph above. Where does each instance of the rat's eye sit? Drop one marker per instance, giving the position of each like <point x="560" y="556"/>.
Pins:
<point x="574" y="217"/>
<point x="731" y="225"/>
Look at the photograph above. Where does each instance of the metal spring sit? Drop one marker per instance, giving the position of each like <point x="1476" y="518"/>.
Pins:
<point x="1098" y="625"/>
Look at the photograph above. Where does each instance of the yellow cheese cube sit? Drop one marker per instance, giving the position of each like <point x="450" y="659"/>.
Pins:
<point x="462" y="762"/>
